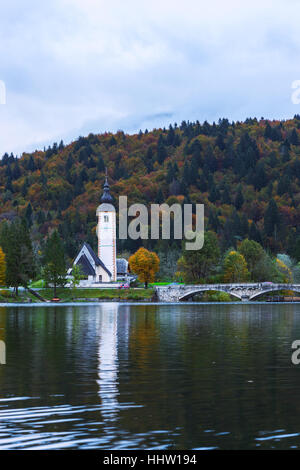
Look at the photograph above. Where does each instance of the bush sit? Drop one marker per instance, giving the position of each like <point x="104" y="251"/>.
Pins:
<point x="5" y="293"/>
<point x="216" y="296"/>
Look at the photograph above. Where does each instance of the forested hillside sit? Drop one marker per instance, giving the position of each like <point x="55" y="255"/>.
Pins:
<point x="247" y="174"/>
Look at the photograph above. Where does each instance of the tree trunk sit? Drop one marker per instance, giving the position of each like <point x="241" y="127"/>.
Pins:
<point x="54" y="290"/>
<point x="146" y="285"/>
<point x="17" y="291"/>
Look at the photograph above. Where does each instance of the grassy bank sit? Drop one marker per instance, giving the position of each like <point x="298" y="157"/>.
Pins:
<point x="80" y="295"/>
<point x="7" y="296"/>
<point x="69" y="295"/>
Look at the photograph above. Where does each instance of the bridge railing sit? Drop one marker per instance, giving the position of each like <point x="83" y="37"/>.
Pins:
<point x="256" y="285"/>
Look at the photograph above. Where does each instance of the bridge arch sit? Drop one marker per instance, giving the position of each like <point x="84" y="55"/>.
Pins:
<point x="193" y="292"/>
<point x="274" y="289"/>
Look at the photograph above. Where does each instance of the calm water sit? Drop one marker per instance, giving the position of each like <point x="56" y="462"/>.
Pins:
<point x="118" y="376"/>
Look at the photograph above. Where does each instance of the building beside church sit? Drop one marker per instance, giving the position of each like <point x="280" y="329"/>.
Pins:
<point x="103" y="267"/>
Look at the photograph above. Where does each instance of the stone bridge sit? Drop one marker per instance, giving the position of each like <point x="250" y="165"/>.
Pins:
<point x="176" y="293"/>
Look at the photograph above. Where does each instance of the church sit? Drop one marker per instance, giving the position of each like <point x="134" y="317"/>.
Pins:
<point x="103" y="267"/>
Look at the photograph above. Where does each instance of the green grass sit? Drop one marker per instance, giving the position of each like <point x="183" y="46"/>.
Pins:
<point x="70" y="295"/>
<point x="163" y="283"/>
<point x="37" y="284"/>
<point x="78" y="295"/>
<point x="7" y="296"/>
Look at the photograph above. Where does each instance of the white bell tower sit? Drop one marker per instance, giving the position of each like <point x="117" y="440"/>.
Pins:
<point x="106" y="231"/>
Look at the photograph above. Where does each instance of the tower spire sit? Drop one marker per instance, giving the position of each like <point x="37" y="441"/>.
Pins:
<point x="106" y="196"/>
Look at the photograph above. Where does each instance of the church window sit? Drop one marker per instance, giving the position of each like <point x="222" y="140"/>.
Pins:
<point x="106" y="218"/>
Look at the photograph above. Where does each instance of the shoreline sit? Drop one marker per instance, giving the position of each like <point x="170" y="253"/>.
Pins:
<point x="130" y="302"/>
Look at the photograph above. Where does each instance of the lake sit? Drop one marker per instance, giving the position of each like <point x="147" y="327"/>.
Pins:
<point x="150" y="376"/>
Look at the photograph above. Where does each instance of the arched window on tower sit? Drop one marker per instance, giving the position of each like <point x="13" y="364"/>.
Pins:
<point x="106" y="218"/>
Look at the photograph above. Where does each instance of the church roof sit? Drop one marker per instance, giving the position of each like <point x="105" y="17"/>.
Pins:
<point x="86" y="267"/>
<point x="106" y="196"/>
<point x="122" y="265"/>
<point x="97" y="260"/>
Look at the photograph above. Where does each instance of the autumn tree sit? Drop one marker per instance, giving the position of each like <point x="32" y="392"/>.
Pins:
<point x="284" y="270"/>
<point x="257" y="161"/>
<point x="145" y="264"/>
<point x="235" y="268"/>
<point x="2" y="268"/>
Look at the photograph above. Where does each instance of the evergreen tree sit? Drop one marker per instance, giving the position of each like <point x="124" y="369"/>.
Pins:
<point x="225" y="199"/>
<point x="28" y="214"/>
<point x="244" y="225"/>
<point x="239" y="199"/>
<point x="20" y="262"/>
<point x="186" y="173"/>
<point x="254" y="233"/>
<point x="160" y="197"/>
<point x="54" y="259"/>
<point x="170" y="136"/>
<point x="220" y="142"/>
<point x="16" y="173"/>
<point x="294" y="140"/>
<point x="285" y="151"/>
<point x="100" y="164"/>
<point x="214" y="194"/>
<point x="213" y="221"/>
<point x="148" y="160"/>
<point x="193" y="177"/>
<point x="25" y="187"/>
<point x="69" y="162"/>
<point x="260" y="177"/>
<point x="203" y="184"/>
<point x="170" y="173"/>
<point x="31" y="164"/>
<point x="161" y="150"/>
<point x="283" y="185"/>
<point x="271" y="219"/>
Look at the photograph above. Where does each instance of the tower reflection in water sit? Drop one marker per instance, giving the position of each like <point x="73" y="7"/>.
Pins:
<point x="113" y="333"/>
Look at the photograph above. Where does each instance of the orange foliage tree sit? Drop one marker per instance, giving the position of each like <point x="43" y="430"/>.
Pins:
<point x="2" y="268"/>
<point x="145" y="264"/>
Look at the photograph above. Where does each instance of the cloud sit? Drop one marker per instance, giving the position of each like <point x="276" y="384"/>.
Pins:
<point x="77" y="66"/>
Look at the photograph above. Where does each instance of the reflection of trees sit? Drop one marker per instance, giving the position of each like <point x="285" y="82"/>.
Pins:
<point x="3" y="312"/>
<point x="144" y="336"/>
<point x="205" y="367"/>
<point x="58" y="348"/>
<point x="189" y="368"/>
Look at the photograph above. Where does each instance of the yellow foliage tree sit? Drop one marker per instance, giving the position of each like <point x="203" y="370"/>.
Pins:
<point x="235" y="268"/>
<point x="284" y="270"/>
<point x="145" y="264"/>
<point x="2" y="268"/>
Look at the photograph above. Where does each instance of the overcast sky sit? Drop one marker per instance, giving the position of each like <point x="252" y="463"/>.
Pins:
<point x="71" y="67"/>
